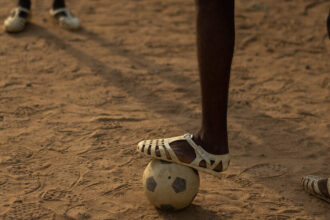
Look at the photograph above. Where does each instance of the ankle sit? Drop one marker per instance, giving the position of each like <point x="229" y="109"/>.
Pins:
<point x="58" y="4"/>
<point x="26" y="4"/>
<point x="214" y="144"/>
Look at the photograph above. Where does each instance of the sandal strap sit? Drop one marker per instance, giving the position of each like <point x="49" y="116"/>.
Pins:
<point x="162" y="151"/>
<point x="19" y="9"/>
<point x="211" y="160"/>
<point x="198" y="149"/>
<point x="61" y="10"/>
<point x="203" y="161"/>
<point x="170" y="151"/>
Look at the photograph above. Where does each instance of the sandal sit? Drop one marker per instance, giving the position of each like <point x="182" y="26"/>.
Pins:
<point x="65" y="18"/>
<point x="17" y="20"/>
<point x="317" y="186"/>
<point x="204" y="161"/>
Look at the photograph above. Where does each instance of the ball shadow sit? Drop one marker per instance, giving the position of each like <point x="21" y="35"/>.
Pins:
<point x="191" y="212"/>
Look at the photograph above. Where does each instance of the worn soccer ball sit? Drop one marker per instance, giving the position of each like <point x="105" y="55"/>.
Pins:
<point x="170" y="186"/>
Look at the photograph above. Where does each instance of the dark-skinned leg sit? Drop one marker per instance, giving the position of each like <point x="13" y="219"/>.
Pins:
<point x="58" y="4"/>
<point x="328" y="25"/>
<point x="215" y="41"/>
<point x="25" y="4"/>
<point x="315" y="185"/>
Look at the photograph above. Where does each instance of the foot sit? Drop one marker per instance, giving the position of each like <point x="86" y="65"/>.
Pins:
<point x="187" y="154"/>
<point x="185" y="150"/>
<point x="317" y="186"/>
<point x="17" y="20"/>
<point x="65" y="18"/>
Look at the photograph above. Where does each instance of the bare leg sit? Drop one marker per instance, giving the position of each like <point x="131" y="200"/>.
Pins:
<point x="215" y="41"/>
<point x="58" y="4"/>
<point x="315" y="185"/>
<point x="25" y="4"/>
<point x="328" y="25"/>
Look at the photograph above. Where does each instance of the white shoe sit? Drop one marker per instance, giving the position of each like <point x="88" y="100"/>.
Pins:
<point x="65" y="18"/>
<point x="17" y="20"/>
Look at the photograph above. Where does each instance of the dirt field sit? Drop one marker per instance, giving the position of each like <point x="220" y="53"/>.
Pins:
<point x="74" y="105"/>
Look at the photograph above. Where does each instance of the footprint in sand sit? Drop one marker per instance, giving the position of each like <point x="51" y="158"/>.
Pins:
<point x="25" y="169"/>
<point x="74" y="198"/>
<point x="13" y="155"/>
<point x="60" y="195"/>
<point x="54" y="195"/>
<point x="265" y="170"/>
<point x="23" y="185"/>
<point x="78" y="212"/>
<point x="277" y="217"/>
<point x="27" y="211"/>
<point x="3" y="180"/>
<point x="19" y="169"/>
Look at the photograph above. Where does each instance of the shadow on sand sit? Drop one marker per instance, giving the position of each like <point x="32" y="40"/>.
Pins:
<point x="192" y="212"/>
<point x="116" y="78"/>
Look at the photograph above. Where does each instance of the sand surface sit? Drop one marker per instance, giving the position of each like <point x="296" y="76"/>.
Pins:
<point x="74" y="105"/>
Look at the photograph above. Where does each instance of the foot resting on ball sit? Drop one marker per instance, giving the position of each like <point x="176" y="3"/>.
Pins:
<point x="184" y="150"/>
<point x="65" y="18"/>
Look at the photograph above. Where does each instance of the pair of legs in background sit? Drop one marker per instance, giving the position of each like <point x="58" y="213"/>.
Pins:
<point x="19" y="16"/>
<point x="57" y="4"/>
<point x="207" y="150"/>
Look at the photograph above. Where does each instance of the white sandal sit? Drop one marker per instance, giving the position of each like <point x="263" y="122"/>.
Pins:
<point x="317" y="186"/>
<point x="16" y="22"/>
<point x="204" y="161"/>
<point x="65" y="18"/>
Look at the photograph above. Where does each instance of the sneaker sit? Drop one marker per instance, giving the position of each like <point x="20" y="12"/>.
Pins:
<point x="17" y="20"/>
<point x="65" y="18"/>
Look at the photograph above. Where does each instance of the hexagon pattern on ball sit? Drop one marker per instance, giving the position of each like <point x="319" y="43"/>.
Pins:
<point x="151" y="184"/>
<point x="170" y="186"/>
<point x="179" y="185"/>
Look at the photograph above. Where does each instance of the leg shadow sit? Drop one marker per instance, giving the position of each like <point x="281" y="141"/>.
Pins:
<point x="169" y="109"/>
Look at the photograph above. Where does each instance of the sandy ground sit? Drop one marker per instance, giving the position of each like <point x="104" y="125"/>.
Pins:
<point x="74" y="105"/>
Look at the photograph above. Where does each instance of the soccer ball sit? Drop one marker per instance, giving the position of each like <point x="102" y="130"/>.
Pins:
<point x="170" y="186"/>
